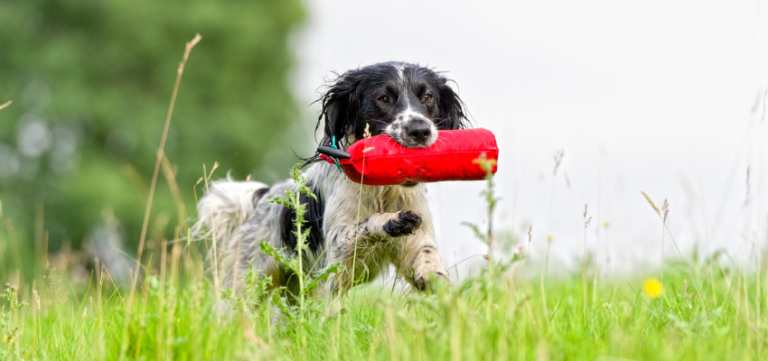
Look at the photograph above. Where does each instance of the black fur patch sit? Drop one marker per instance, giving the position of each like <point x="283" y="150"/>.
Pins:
<point x="407" y="222"/>
<point x="258" y="194"/>
<point x="312" y="219"/>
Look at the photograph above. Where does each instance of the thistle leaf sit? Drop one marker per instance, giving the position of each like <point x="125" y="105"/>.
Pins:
<point x="476" y="229"/>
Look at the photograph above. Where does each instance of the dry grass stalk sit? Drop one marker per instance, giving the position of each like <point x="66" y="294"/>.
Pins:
<point x="366" y="135"/>
<point x="584" y="263"/>
<point x="170" y="175"/>
<point x="5" y="105"/>
<point x="650" y="201"/>
<point x="248" y="332"/>
<point x="665" y="211"/>
<point x="148" y="209"/>
<point x="664" y="222"/>
<point x="586" y="220"/>
<point x="558" y="159"/>
<point x="160" y="154"/>
<point x="748" y="185"/>
<point x="207" y="177"/>
<point x="37" y="299"/>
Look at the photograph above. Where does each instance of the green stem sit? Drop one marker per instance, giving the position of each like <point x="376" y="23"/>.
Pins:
<point x="300" y="248"/>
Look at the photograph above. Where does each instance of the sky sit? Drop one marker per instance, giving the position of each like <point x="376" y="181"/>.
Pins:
<point x="653" y="96"/>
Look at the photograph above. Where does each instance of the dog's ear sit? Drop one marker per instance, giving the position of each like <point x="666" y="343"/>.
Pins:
<point x="452" y="113"/>
<point x="341" y="108"/>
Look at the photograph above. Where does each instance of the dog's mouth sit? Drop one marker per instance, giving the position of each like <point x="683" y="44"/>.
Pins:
<point x="422" y="136"/>
<point x="410" y="143"/>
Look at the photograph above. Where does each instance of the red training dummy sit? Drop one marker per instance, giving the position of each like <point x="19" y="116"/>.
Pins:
<point x="379" y="160"/>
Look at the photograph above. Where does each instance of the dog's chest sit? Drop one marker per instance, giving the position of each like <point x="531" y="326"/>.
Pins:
<point x="362" y="203"/>
<point x="382" y="200"/>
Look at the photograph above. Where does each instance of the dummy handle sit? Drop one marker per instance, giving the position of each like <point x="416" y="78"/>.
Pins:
<point x="333" y="152"/>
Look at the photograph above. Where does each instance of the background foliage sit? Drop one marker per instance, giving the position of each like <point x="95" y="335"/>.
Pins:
<point x="91" y="81"/>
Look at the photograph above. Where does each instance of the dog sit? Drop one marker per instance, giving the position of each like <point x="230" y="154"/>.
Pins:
<point x="360" y="226"/>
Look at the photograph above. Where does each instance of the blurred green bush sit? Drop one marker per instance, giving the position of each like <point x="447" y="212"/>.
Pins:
<point x="91" y="81"/>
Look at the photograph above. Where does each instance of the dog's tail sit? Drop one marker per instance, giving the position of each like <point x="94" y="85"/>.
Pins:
<point x="227" y="205"/>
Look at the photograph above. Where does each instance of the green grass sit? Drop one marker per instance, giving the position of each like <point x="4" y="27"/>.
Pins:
<point x="720" y="316"/>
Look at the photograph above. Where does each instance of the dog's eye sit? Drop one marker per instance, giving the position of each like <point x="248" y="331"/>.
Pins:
<point x="427" y="98"/>
<point x="384" y="99"/>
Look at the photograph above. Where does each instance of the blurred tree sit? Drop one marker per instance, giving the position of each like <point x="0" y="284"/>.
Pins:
<point x="91" y="81"/>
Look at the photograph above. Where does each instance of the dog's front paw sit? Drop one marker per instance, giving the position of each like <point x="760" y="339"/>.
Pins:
<point x="425" y="281"/>
<point x="404" y="222"/>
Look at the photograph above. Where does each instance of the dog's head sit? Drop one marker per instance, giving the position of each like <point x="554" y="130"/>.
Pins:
<point x="407" y="102"/>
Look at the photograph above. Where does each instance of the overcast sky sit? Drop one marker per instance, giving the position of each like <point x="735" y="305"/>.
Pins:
<point x="646" y="96"/>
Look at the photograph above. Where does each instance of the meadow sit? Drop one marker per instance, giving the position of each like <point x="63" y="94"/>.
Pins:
<point x="700" y="311"/>
<point x="692" y="308"/>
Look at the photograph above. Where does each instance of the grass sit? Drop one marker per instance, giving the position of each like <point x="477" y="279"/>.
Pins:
<point x="716" y="315"/>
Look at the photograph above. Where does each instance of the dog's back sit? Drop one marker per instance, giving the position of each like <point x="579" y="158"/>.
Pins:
<point x="227" y="205"/>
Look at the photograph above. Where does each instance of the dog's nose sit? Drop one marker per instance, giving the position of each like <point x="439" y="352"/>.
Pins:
<point x="418" y="131"/>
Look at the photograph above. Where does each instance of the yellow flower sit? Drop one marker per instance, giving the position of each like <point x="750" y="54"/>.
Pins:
<point x="550" y="237"/>
<point x="653" y="288"/>
<point x="606" y="224"/>
<point x="178" y="320"/>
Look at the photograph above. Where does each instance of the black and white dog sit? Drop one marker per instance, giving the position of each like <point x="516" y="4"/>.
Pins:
<point x="369" y="227"/>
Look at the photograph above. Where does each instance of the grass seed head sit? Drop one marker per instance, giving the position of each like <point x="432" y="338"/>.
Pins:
<point x="586" y="220"/>
<point x="651" y="203"/>
<point x="558" y="158"/>
<point x="37" y="298"/>
<point x="530" y="233"/>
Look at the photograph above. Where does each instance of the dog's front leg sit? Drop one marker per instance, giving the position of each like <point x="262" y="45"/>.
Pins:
<point x="418" y="260"/>
<point x="360" y="247"/>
